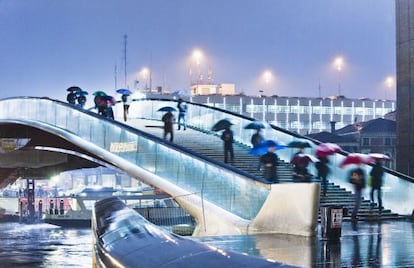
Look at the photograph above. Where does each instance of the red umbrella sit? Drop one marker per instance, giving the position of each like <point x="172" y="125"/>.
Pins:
<point x="357" y="159"/>
<point x="326" y="149"/>
<point x="379" y="156"/>
<point x="303" y="159"/>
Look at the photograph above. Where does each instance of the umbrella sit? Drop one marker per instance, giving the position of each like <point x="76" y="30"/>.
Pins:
<point x="222" y="124"/>
<point x="299" y="144"/>
<point x="357" y="159"/>
<point x="167" y="109"/>
<point x="124" y="91"/>
<point x="82" y="92"/>
<point x="379" y="156"/>
<point x="303" y="159"/>
<point x="325" y="149"/>
<point x="109" y="99"/>
<point x="264" y="146"/>
<point x="74" y="89"/>
<point x="255" y="125"/>
<point x="99" y="93"/>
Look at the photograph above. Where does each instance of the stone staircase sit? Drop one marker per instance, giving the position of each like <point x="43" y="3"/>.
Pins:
<point x="210" y="145"/>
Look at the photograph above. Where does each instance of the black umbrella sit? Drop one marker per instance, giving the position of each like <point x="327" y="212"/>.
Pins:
<point x="255" y="125"/>
<point x="222" y="124"/>
<point x="299" y="144"/>
<point x="74" y="89"/>
<point x="167" y="109"/>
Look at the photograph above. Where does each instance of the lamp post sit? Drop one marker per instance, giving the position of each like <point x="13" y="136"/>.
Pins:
<point x="144" y="73"/>
<point x="197" y="57"/>
<point x="339" y="63"/>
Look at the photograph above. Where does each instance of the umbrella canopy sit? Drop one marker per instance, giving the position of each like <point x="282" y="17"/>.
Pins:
<point x="82" y="93"/>
<point x="356" y="159"/>
<point x="264" y="146"/>
<point x="379" y="156"/>
<point x="109" y="99"/>
<point x="303" y="159"/>
<point x="298" y="144"/>
<point x="167" y="109"/>
<point x="124" y="91"/>
<point x="73" y="89"/>
<point x="99" y="93"/>
<point x="326" y="149"/>
<point x="255" y="125"/>
<point x="222" y="124"/>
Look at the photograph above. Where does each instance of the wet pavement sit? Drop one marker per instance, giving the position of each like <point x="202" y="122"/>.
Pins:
<point x="366" y="244"/>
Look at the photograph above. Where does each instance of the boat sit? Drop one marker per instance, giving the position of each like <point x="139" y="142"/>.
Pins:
<point x="75" y="210"/>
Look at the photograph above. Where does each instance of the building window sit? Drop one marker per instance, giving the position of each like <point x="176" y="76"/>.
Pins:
<point x="387" y="141"/>
<point x="365" y="141"/>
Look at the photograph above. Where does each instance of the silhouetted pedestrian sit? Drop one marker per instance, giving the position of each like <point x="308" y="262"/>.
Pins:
<point x="81" y="100"/>
<point x="357" y="178"/>
<point x="257" y="138"/>
<point x="182" y="110"/>
<point x="126" y="100"/>
<point x="227" y="137"/>
<point x="323" y="172"/>
<point x="71" y="97"/>
<point x="269" y="161"/>
<point x="168" y="119"/>
<point x="377" y="172"/>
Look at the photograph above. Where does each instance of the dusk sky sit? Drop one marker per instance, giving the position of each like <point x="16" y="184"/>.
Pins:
<point x="47" y="45"/>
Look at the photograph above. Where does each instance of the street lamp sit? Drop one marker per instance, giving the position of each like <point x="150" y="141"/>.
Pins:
<point x="267" y="78"/>
<point x="144" y="73"/>
<point x="197" y="56"/>
<point x="389" y="83"/>
<point x="339" y="64"/>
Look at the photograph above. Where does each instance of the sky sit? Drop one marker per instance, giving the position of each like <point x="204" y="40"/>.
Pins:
<point x="47" y="46"/>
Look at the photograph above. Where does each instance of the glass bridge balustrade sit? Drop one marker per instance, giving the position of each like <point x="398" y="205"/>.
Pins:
<point x="231" y="191"/>
<point x="397" y="192"/>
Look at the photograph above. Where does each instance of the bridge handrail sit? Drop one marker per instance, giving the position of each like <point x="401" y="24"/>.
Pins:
<point x="398" y="189"/>
<point x="227" y="189"/>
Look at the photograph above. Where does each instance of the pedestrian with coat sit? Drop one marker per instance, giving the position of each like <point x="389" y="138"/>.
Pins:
<point x="323" y="172"/>
<point x="357" y="178"/>
<point x="168" y="118"/>
<point x="182" y="110"/>
<point x="126" y="100"/>
<point x="227" y="138"/>
<point x="269" y="161"/>
<point x="376" y="174"/>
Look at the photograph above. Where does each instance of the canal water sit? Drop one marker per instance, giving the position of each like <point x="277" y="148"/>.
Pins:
<point x="380" y="244"/>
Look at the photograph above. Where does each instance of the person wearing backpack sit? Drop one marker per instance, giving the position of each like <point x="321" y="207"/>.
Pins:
<point x="182" y="110"/>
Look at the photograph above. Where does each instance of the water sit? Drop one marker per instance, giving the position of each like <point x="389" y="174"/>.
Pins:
<point x="380" y="244"/>
<point x="44" y="245"/>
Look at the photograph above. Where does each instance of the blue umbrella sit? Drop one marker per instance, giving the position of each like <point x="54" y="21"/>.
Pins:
<point x="167" y="109"/>
<point x="82" y="92"/>
<point x="255" y="125"/>
<point x="264" y="146"/>
<point x="124" y="91"/>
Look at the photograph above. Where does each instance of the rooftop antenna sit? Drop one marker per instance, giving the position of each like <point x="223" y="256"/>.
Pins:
<point x="125" y="59"/>
<point x="319" y="88"/>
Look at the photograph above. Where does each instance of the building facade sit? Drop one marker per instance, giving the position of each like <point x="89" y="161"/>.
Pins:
<point x="299" y="114"/>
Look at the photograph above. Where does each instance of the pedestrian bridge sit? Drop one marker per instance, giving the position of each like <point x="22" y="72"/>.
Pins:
<point x="222" y="199"/>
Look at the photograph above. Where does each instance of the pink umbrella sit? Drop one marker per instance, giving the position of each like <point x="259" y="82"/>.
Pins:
<point x="326" y="149"/>
<point x="357" y="159"/>
<point x="303" y="159"/>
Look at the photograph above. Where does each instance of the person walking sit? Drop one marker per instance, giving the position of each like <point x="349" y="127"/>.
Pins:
<point x="323" y="172"/>
<point x="71" y="97"/>
<point x="227" y="137"/>
<point x="269" y="160"/>
<point x="182" y="110"/>
<point x="377" y="172"/>
<point x="81" y="100"/>
<point x="126" y="100"/>
<point x="168" y="119"/>
<point x="256" y="139"/>
<point x="357" y="178"/>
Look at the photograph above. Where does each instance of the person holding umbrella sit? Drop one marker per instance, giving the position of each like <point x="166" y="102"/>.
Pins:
<point x="323" y="172"/>
<point x="168" y="118"/>
<point x="357" y="178"/>
<point x="126" y="100"/>
<point x="377" y="172"/>
<point x="269" y="160"/>
<point x="227" y="138"/>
